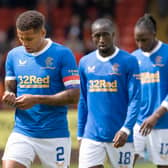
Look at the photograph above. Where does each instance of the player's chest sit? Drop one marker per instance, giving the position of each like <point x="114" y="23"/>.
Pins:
<point x="29" y="66"/>
<point x="108" y="70"/>
<point x="153" y="64"/>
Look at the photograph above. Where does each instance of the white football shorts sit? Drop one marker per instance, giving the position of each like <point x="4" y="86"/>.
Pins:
<point x="94" y="153"/>
<point x="52" y="152"/>
<point x="156" y="144"/>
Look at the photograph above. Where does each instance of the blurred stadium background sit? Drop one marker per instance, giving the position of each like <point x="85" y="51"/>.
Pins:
<point x="68" y="22"/>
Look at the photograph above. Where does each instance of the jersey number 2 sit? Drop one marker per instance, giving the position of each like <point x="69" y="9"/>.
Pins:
<point x="60" y="153"/>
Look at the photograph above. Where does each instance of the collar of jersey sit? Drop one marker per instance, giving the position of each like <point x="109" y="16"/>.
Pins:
<point x="44" y="49"/>
<point x="148" y="54"/>
<point x="104" y="59"/>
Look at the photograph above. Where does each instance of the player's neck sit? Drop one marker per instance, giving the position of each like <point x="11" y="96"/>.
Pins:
<point x="107" y="53"/>
<point x="44" y="43"/>
<point x="155" y="43"/>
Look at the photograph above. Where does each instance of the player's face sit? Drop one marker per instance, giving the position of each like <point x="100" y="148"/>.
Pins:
<point x="144" y="38"/>
<point x="103" y="38"/>
<point x="32" y="40"/>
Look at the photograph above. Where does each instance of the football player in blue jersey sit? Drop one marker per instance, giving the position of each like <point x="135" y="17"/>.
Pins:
<point x="41" y="80"/>
<point x="109" y="101"/>
<point x="151" y="129"/>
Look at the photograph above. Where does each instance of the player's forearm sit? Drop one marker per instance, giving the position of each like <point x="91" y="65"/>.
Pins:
<point x="10" y="86"/>
<point x="132" y="113"/>
<point x="66" y="97"/>
<point x="82" y="115"/>
<point x="160" y="112"/>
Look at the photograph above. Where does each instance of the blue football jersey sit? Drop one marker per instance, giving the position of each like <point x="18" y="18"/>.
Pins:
<point x="110" y="95"/>
<point x="154" y="82"/>
<point x="48" y="72"/>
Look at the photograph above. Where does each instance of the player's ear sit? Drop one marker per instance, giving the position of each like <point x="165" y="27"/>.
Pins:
<point x="154" y="33"/>
<point x="113" y="35"/>
<point x="43" y="32"/>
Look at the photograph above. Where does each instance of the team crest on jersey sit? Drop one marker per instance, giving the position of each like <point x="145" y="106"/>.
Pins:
<point x="158" y="61"/>
<point x="115" y="68"/>
<point x="91" y="69"/>
<point x="49" y="63"/>
<point x="22" y="62"/>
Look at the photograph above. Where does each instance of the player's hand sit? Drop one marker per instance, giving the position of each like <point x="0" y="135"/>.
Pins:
<point x="120" y="139"/>
<point x="9" y="98"/>
<point x="151" y="121"/>
<point x="25" y="101"/>
<point x="148" y="124"/>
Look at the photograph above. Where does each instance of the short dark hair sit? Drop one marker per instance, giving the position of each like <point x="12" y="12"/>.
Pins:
<point x="103" y="22"/>
<point x="30" y="19"/>
<point x="148" y="21"/>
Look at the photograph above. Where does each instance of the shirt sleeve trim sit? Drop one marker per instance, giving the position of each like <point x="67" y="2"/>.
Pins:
<point x="126" y="130"/>
<point x="165" y="104"/>
<point x="10" y="78"/>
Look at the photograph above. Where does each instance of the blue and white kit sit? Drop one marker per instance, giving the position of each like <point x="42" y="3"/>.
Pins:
<point x="154" y="82"/>
<point x="47" y="72"/>
<point x="110" y="95"/>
